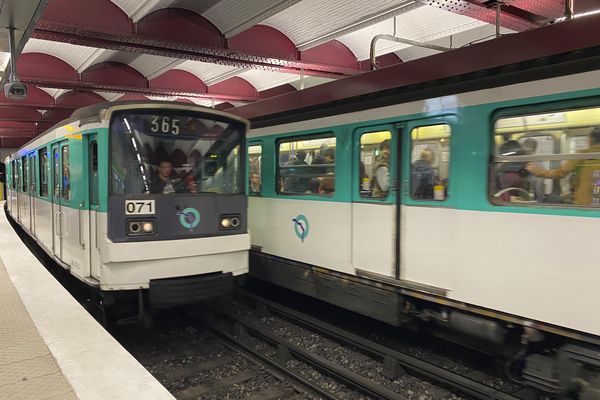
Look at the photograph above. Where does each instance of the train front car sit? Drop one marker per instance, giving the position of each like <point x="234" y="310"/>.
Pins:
<point x="175" y="218"/>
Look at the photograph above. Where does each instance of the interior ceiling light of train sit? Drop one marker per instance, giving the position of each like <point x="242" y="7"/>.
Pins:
<point x="226" y="53"/>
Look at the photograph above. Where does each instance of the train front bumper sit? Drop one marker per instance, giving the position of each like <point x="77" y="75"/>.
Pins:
<point x="129" y="266"/>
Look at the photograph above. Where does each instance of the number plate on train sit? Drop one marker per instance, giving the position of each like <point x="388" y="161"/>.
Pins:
<point x="139" y="207"/>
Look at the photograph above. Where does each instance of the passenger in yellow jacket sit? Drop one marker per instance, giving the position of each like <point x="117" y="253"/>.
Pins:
<point x="587" y="174"/>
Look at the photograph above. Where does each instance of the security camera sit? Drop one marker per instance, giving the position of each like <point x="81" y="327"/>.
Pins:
<point x="15" y="90"/>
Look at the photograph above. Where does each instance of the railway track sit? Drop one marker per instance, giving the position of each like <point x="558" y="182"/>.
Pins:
<point x="286" y="338"/>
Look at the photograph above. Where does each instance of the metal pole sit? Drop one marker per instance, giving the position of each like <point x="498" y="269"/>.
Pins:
<point x="400" y="40"/>
<point x="13" y="52"/>
<point x="569" y="9"/>
<point x="498" y="11"/>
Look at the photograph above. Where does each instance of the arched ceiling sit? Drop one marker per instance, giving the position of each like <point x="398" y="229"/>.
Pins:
<point x="223" y="53"/>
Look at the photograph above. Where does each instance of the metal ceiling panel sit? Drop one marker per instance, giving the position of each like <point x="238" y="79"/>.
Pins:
<point x="74" y="55"/>
<point x="310" y="22"/>
<point x="137" y="7"/>
<point x="152" y="66"/>
<point x="209" y="73"/>
<point x="423" y="24"/>
<point x="234" y="16"/>
<point x="263" y="80"/>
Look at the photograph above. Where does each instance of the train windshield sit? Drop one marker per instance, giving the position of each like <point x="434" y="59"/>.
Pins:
<point x="164" y="152"/>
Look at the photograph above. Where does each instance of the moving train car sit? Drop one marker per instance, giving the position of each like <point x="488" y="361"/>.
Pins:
<point x="141" y="201"/>
<point x="460" y="191"/>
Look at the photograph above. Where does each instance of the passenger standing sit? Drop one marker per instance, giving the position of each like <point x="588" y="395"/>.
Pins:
<point x="586" y="190"/>
<point x="423" y="176"/>
<point x="381" y="171"/>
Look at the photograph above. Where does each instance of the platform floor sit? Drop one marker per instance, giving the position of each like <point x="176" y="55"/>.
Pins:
<point x="50" y="347"/>
<point x="27" y="369"/>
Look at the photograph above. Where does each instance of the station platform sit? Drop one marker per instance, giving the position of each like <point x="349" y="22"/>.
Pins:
<point x="50" y="347"/>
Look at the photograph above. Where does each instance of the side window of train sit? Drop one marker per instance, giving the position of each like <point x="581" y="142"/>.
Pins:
<point x="43" y="157"/>
<point x="374" y="164"/>
<point x="254" y="170"/>
<point x="306" y="165"/>
<point x="14" y="174"/>
<point x="547" y="158"/>
<point x="66" y="174"/>
<point x="429" y="162"/>
<point x="24" y="174"/>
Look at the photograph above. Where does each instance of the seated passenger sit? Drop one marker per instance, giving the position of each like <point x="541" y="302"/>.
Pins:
<point x="294" y="182"/>
<point x="512" y="174"/>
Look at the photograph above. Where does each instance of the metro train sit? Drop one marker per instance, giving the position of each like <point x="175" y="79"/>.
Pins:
<point x="144" y="202"/>
<point x="469" y="205"/>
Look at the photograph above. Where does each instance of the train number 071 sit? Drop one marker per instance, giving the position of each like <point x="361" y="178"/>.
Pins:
<point x="139" y="207"/>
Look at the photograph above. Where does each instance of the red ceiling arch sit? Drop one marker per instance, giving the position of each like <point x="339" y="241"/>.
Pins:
<point x="113" y="73"/>
<point x="234" y="86"/>
<point x="44" y="66"/>
<point x="103" y="15"/>
<point x="262" y="39"/>
<point x="79" y="98"/>
<point x="180" y="25"/>
<point x="180" y="80"/>
<point x="332" y="53"/>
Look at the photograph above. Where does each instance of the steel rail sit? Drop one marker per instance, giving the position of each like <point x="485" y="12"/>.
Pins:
<point x="437" y="374"/>
<point x="329" y="368"/>
<point x="237" y="343"/>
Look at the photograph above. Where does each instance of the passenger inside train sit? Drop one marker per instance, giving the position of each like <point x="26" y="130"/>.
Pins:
<point x="558" y="158"/>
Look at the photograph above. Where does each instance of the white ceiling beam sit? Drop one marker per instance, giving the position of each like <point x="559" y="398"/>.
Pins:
<point x="225" y="76"/>
<point x="361" y="23"/>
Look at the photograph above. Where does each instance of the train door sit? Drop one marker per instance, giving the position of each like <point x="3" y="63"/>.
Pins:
<point x="3" y="195"/>
<point x="24" y="190"/>
<point x="31" y="191"/>
<point x="57" y="220"/>
<point x="94" y="201"/>
<point x="375" y="209"/>
<point x="17" y="188"/>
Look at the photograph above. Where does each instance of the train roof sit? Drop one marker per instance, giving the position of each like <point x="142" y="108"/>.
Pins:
<point x="95" y="112"/>
<point x="462" y="64"/>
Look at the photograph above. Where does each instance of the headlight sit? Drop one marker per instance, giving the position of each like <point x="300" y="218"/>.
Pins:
<point x="230" y="222"/>
<point x="140" y="227"/>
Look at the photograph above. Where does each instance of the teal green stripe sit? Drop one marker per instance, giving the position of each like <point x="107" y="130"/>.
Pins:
<point x="471" y="144"/>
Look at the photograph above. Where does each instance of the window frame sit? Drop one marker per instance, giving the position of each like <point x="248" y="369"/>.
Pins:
<point x="393" y="150"/>
<point x="248" y="158"/>
<point x="24" y="172"/>
<point x="41" y="152"/>
<point x="524" y="111"/>
<point x="63" y="147"/>
<point x="410" y="146"/>
<point x="299" y="138"/>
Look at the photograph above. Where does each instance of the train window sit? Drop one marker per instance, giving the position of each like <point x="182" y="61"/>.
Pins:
<point x="24" y="174"/>
<point x="175" y="153"/>
<point x="66" y="174"/>
<point x="550" y="158"/>
<point x="14" y="174"/>
<point x="43" y="157"/>
<point x="254" y="171"/>
<point x="32" y="174"/>
<point x="307" y="166"/>
<point x="429" y="162"/>
<point x="374" y="167"/>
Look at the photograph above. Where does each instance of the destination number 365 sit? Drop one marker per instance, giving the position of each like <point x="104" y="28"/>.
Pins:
<point x="164" y="125"/>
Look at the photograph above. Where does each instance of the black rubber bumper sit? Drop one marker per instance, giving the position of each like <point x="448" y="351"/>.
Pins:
<point x="171" y="292"/>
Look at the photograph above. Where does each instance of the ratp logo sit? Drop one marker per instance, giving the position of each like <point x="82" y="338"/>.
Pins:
<point x="301" y="227"/>
<point x="189" y="218"/>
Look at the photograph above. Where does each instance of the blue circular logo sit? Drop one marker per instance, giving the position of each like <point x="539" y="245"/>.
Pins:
<point x="301" y="227"/>
<point x="189" y="218"/>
